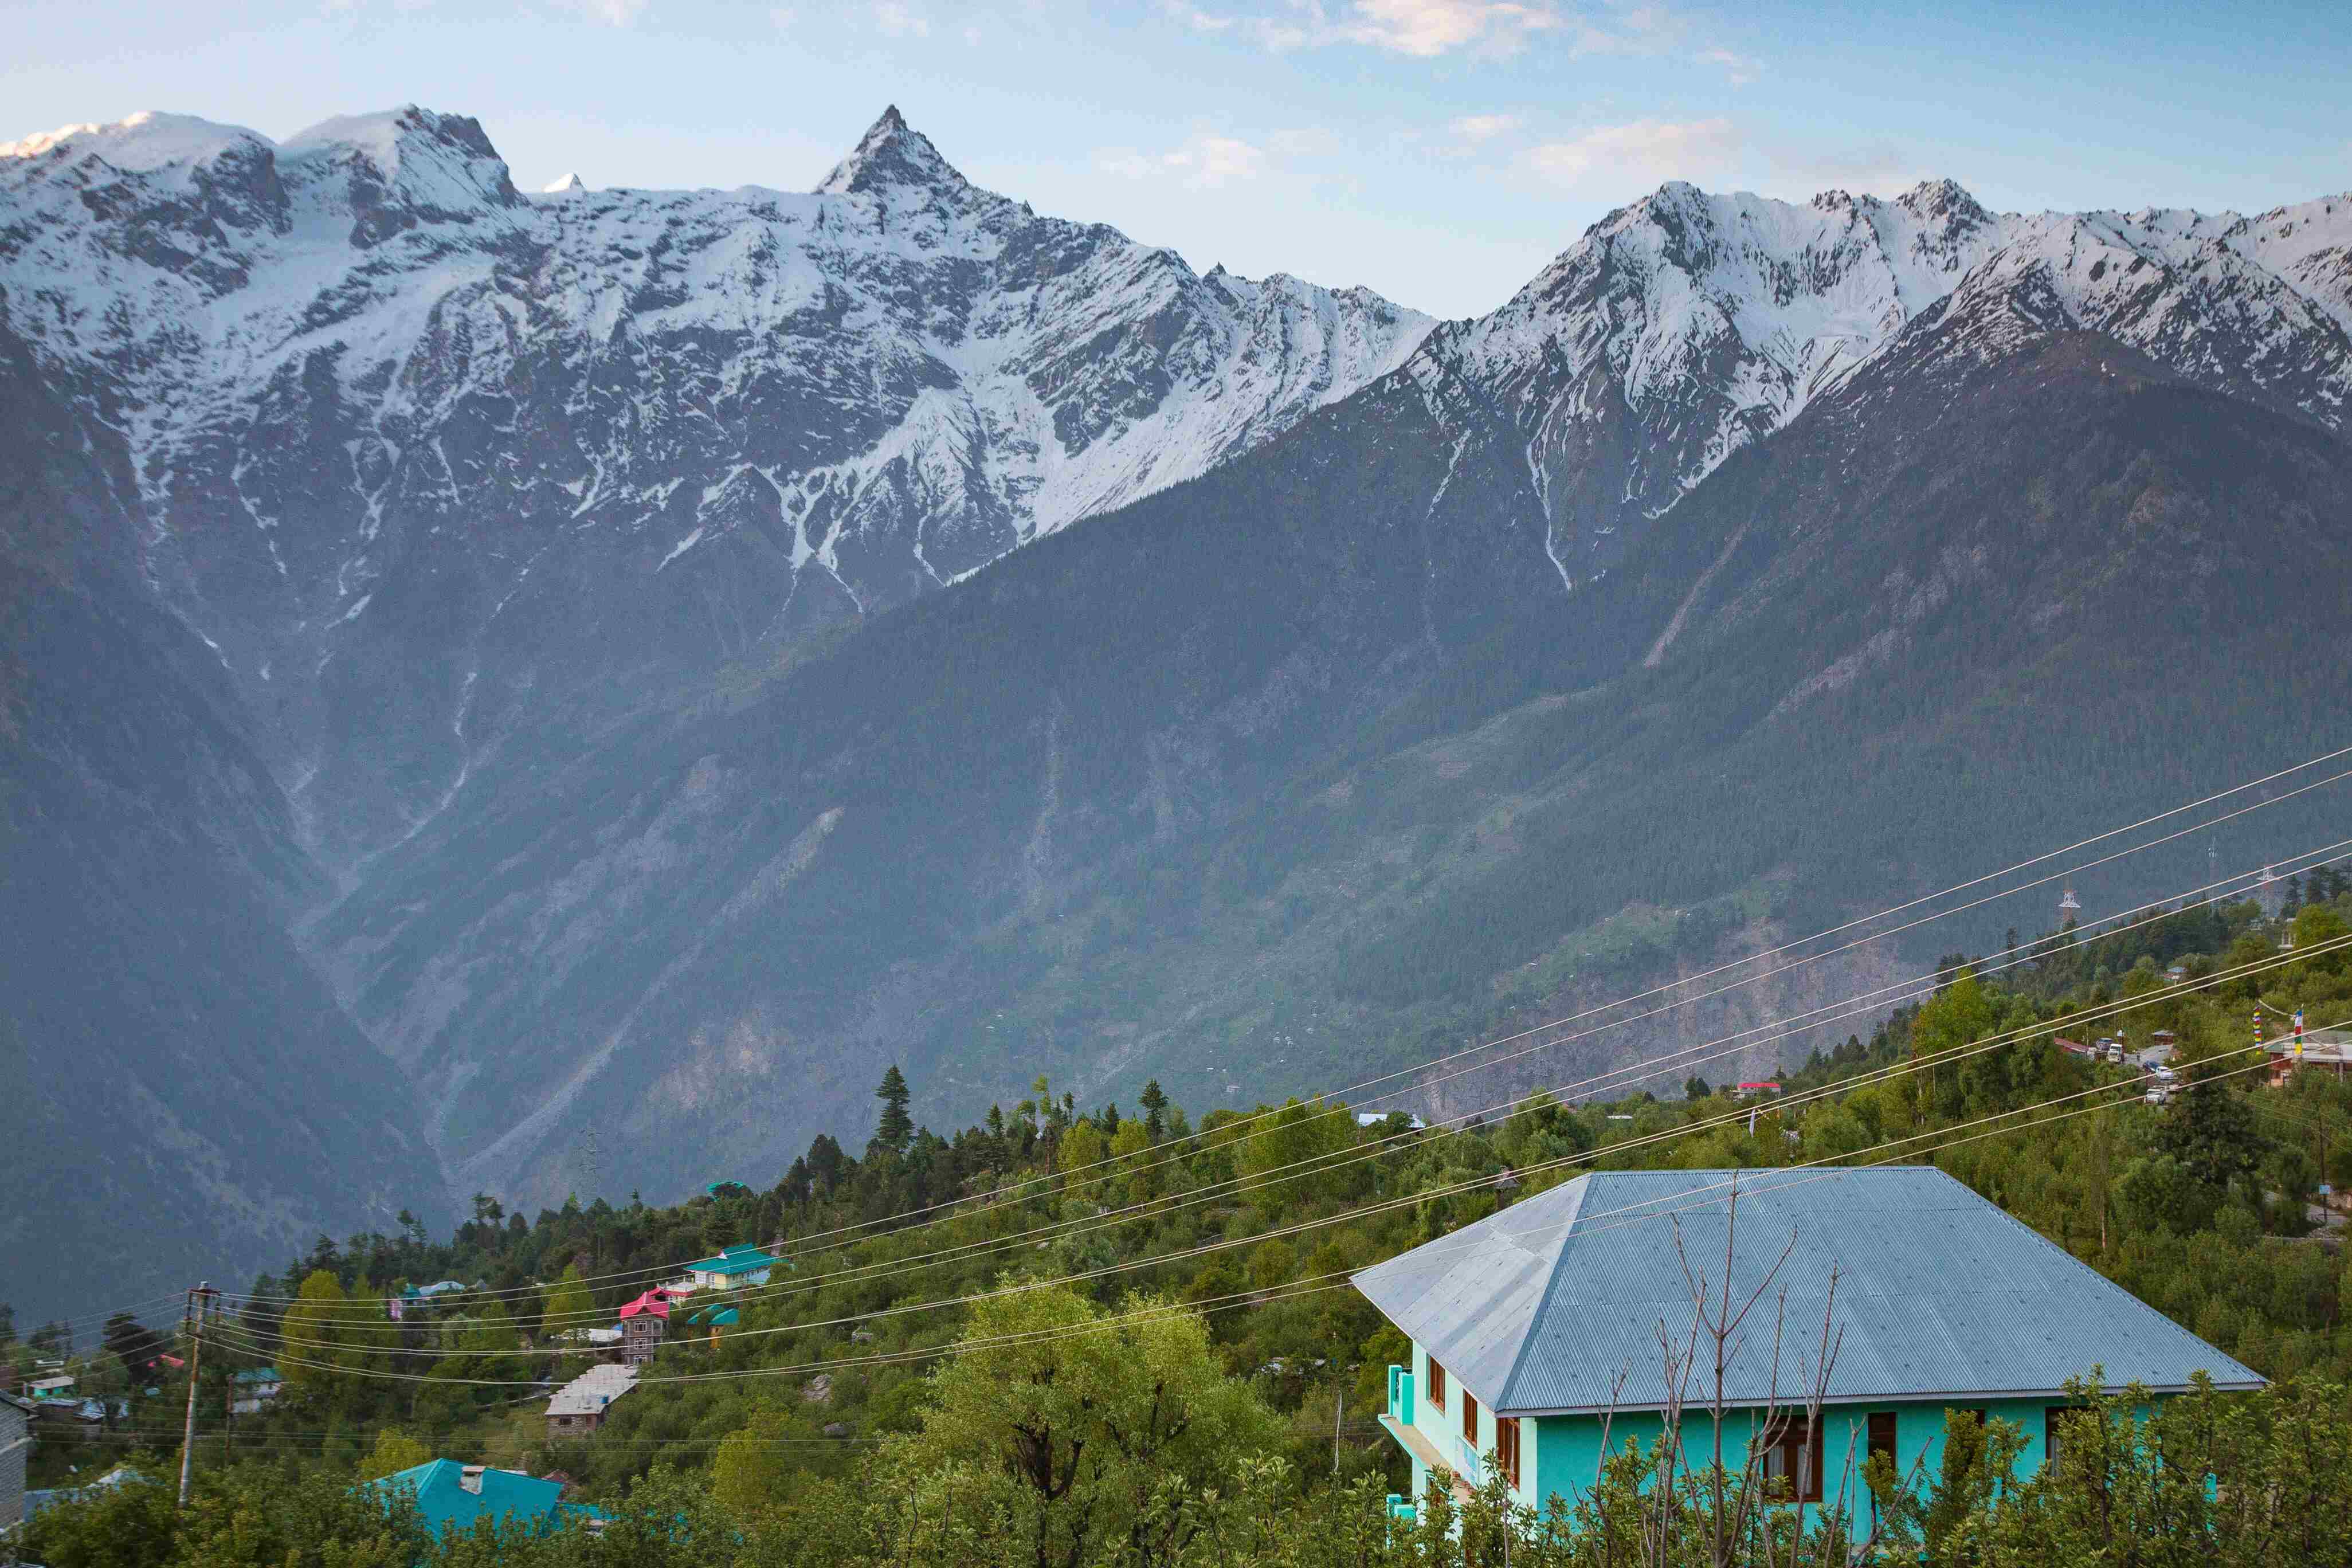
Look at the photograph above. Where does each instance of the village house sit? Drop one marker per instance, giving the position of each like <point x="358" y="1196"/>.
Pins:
<point x="644" y="1323"/>
<point x="578" y="1408"/>
<point x="451" y="1497"/>
<point x="256" y="1388"/>
<point x="40" y="1502"/>
<point x="713" y="1318"/>
<point x="1536" y="1327"/>
<point x="15" y="1448"/>
<point x="738" y="1266"/>
<point x="2326" y="1051"/>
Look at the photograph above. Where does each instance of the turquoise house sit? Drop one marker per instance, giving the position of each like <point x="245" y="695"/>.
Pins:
<point x="453" y="1496"/>
<point x="1541" y="1324"/>
<point x="738" y="1266"/>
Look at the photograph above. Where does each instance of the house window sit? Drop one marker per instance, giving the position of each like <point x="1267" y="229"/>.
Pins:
<point x="1470" y="1420"/>
<point x="1506" y="1447"/>
<point x="1793" y="1461"/>
<point x="1436" y="1385"/>
<point x="2054" y="1419"/>
<point x="1882" y="1435"/>
<point x="563" y="1421"/>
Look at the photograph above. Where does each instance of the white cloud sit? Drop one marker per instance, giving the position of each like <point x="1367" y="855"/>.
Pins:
<point x="971" y="36"/>
<point x="1484" y="127"/>
<point x="1427" y="28"/>
<point x="1203" y="162"/>
<point x="897" y="21"/>
<point x="1738" y="69"/>
<point x="615" y="13"/>
<point x="1421" y="28"/>
<point x="1640" y="153"/>
<point x="781" y="19"/>
<point x="1306" y="141"/>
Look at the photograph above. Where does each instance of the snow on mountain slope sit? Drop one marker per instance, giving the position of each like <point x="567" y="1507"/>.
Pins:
<point x="380" y="400"/>
<point x="1687" y="326"/>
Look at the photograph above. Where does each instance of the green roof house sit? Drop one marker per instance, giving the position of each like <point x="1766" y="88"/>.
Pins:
<point x="454" y="1496"/>
<point x="1534" y="1326"/>
<point x="740" y="1265"/>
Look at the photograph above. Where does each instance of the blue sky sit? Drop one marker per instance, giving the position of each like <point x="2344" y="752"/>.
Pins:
<point x="1440" y="151"/>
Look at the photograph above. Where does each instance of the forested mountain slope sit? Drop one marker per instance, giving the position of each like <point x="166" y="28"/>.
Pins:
<point x="185" y="1095"/>
<point x="1309" y="765"/>
<point x="619" y="593"/>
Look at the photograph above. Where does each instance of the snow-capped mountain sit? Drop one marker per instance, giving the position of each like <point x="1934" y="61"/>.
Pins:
<point x="530" y="530"/>
<point x="1687" y="326"/>
<point x="380" y="401"/>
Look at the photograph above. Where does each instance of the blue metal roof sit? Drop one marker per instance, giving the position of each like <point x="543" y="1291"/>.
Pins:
<point x="445" y="1504"/>
<point x="1543" y="1307"/>
<point x="742" y="1258"/>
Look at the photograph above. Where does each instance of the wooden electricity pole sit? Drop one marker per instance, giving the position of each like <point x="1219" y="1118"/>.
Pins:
<point x="200" y="1301"/>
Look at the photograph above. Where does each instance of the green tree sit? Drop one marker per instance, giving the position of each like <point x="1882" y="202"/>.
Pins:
<point x="1082" y="1149"/>
<point x="314" y="1343"/>
<point x="1154" y="1100"/>
<point x="897" y="1129"/>
<point x="2317" y="923"/>
<point x="394" y="1451"/>
<point x="1280" y="1162"/>
<point x="568" y="1305"/>
<point x="752" y="1473"/>
<point x="1083" y="1431"/>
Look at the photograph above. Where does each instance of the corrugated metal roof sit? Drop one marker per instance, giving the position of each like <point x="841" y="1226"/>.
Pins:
<point x="1546" y="1305"/>
<point x="593" y="1390"/>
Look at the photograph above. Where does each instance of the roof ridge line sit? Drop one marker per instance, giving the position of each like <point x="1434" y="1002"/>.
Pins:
<point x="1502" y="1400"/>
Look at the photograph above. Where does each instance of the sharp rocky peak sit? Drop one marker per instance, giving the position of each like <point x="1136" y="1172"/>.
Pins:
<point x="892" y="155"/>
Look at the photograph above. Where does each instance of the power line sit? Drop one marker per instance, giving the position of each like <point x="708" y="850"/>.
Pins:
<point x="1889" y="1074"/>
<point x="806" y="1243"/>
<point x="1937" y="1140"/>
<point x="1321" y="1164"/>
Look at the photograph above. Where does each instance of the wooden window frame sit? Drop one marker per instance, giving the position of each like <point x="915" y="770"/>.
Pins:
<point x="1798" y="1441"/>
<point x="1435" y="1392"/>
<point x="1470" y="1420"/>
<point x="2051" y="1415"/>
<point x="1883" y="1430"/>
<point x="1506" y="1447"/>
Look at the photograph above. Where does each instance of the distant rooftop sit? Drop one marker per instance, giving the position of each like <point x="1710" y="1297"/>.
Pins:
<point x="739" y="1259"/>
<point x="593" y="1390"/>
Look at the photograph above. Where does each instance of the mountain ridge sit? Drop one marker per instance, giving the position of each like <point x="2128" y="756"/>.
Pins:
<point x="663" y="612"/>
<point x="383" y="408"/>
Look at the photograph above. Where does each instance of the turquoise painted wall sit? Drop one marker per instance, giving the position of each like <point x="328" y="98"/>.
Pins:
<point x="1560" y="1455"/>
<point x="1570" y="1446"/>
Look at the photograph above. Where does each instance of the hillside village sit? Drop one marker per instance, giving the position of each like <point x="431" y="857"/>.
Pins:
<point x="1424" y="1338"/>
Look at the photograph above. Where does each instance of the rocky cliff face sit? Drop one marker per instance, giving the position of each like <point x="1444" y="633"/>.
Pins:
<point x="432" y="463"/>
<point x="1401" y="679"/>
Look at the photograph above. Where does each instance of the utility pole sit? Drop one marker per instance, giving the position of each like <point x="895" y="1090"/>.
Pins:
<point x="1339" y="1404"/>
<point x="200" y="1301"/>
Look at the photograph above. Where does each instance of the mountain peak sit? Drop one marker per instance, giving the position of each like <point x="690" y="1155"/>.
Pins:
<point x="569" y="184"/>
<point x="1943" y="198"/>
<point x="892" y="155"/>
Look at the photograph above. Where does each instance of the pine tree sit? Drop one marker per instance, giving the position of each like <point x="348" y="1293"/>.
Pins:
<point x="1154" y="1100"/>
<point x="897" y="1129"/>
